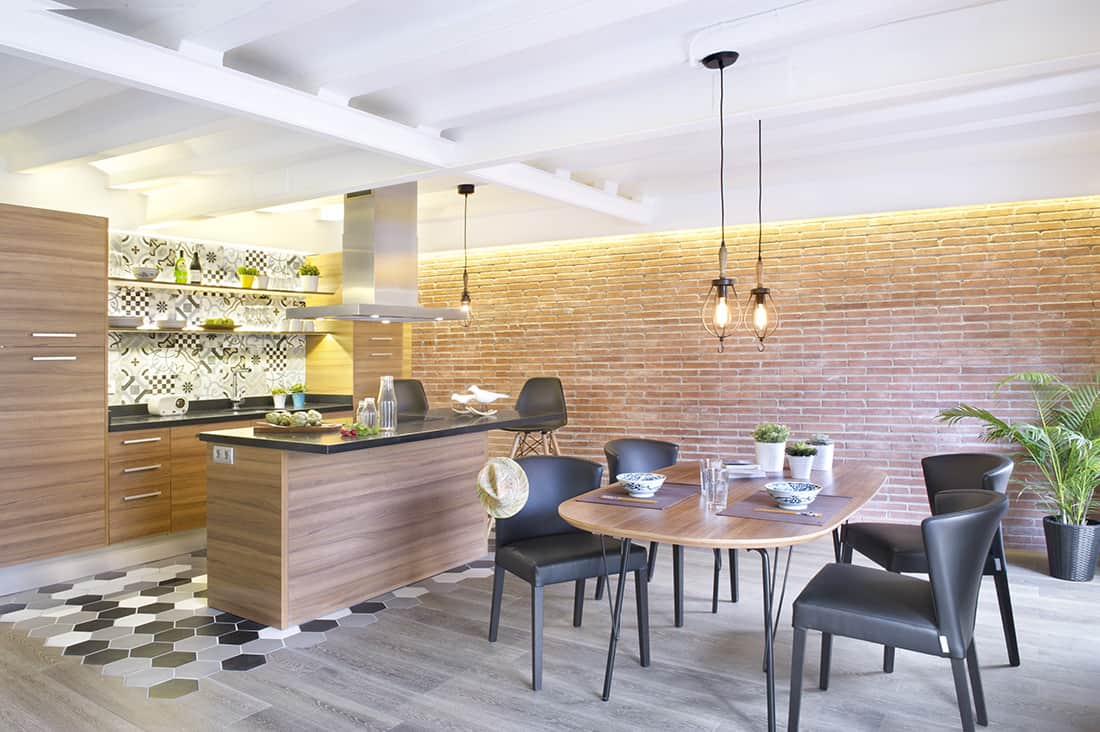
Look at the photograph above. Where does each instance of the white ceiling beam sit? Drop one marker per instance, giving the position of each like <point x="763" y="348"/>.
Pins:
<point x="49" y="96"/>
<point x="564" y="189"/>
<point x="116" y="124"/>
<point x="262" y="21"/>
<point x="105" y="54"/>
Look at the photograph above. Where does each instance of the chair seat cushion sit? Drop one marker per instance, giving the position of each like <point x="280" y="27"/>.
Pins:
<point x="870" y="604"/>
<point x="897" y="547"/>
<point x="547" y="560"/>
<point x="548" y="426"/>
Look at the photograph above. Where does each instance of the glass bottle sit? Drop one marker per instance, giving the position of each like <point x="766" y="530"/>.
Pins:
<point x="387" y="405"/>
<point x="195" y="275"/>
<point x="180" y="272"/>
<point x="368" y="413"/>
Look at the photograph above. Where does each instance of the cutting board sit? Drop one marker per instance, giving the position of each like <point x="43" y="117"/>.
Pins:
<point x="266" y="427"/>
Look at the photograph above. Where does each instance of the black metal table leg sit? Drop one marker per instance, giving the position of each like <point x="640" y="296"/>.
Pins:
<point x="836" y="544"/>
<point x="616" y="619"/>
<point x="769" y="648"/>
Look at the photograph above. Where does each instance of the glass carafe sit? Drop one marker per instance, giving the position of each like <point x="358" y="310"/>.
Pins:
<point x="387" y="405"/>
<point x="368" y="413"/>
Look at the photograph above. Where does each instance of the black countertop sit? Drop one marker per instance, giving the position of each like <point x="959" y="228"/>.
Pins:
<point x="136" y="416"/>
<point x="438" y="423"/>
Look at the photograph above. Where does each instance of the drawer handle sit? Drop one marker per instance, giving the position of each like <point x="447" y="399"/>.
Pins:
<point x="53" y="335"/>
<point x="381" y="338"/>
<point x="142" y="468"/>
<point x="142" y="441"/>
<point x="381" y="354"/>
<point x="139" y="496"/>
<point x="53" y="358"/>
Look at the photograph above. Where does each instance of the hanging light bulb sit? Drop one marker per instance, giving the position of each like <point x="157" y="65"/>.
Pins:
<point x="761" y="312"/>
<point x="465" y="304"/>
<point x="719" y="314"/>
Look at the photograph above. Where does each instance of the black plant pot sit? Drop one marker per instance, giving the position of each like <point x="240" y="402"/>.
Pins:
<point x="1072" y="549"/>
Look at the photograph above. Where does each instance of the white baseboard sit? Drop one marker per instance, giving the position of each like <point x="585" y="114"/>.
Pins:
<point x="31" y="575"/>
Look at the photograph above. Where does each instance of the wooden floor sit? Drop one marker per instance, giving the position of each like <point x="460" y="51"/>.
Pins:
<point x="430" y="667"/>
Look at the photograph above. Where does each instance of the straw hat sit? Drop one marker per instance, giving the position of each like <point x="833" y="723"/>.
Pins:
<point x="502" y="487"/>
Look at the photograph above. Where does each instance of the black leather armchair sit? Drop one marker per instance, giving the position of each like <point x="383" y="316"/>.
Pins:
<point x="540" y="548"/>
<point x="935" y="617"/>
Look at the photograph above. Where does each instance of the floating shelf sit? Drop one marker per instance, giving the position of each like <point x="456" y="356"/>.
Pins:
<point x="162" y="285"/>
<point x="200" y="331"/>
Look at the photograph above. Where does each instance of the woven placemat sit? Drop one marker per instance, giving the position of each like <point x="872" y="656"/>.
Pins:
<point x="760" y="505"/>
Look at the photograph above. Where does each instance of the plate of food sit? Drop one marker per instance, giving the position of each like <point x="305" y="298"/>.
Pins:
<point x="301" y="421"/>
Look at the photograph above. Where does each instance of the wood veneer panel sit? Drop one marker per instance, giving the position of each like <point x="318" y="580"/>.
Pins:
<point x="379" y="351"/>
<point x="189" y="474"/>
<point x="329" y="358"/>
<point x="369" y="521"/>
<point x="246" y="534"/>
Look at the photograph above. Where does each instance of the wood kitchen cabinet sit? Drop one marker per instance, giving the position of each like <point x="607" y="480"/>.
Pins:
<point x="53" y="367"/>
<point x="189" y="474"/>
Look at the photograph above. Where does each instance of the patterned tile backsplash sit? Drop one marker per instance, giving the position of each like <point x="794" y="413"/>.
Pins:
<point x="200" y="365"/>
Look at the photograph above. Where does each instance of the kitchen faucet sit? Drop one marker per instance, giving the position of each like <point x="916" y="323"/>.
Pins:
<point x="237" y="399"/>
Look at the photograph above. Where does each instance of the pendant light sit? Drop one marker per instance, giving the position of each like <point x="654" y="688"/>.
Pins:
<point x="761" y="314"/>
<point x="465" y="190"/>
<point x="719" y="306"/>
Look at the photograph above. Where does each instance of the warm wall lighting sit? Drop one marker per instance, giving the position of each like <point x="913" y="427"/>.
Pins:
<point x="719" y="316"/>
<point x="761" y="314"/>
<point x="465" y="303"/>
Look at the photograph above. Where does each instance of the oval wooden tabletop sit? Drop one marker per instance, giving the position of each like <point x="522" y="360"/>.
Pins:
<point x="688" y="523"/>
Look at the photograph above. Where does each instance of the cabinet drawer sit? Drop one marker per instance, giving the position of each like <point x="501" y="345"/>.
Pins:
<point x="141" y="514"/>
<point x="130" y="477"/>
<point x="151" y="445"/>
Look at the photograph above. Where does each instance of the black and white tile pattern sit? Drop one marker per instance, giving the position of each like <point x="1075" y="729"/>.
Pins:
<point x="151" y="626"/>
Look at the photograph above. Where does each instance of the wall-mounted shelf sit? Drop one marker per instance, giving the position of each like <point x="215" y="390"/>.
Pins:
<point x="162" y="285"/>
<point x="200" y="331"/>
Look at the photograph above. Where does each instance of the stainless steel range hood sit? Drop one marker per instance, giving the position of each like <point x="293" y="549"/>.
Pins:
<point x="379" y="278"/>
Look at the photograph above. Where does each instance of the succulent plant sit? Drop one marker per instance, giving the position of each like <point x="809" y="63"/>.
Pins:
<point x="252" y="271"/>
<point x="297" y="388"/>
<point x="820" y="439"/>
<point x="771" y="432"/>
<point x="278" y="390"/>
<point x="801" y="449"/>
<point x="308" y="270"/>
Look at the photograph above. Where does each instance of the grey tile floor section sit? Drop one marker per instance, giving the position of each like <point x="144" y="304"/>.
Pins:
<point x="429" y="667"/>
<point x="151" y="627"/>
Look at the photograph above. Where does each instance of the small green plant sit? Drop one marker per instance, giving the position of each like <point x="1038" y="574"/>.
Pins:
<point x="801" y="449"/>
<point x="278" y="390"/>
<point x="771" y="432"/>
<point x="248" y="271"/>
<point x="308" y="270"/>
<point x="297" y="388"/>
<point x="820" y="439"/>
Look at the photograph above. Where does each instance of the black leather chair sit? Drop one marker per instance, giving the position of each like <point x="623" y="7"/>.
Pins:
<point x="934" y="616"/>
<point x="539" y="395"/>
<point x="634" y="455"/>
<point x="412" y="402"/>
<point x="899" y="547"/>
<point x="540" y="548"/>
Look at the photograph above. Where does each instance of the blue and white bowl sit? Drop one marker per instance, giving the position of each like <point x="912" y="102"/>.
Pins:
<point x="792" y="495"/>
<point x="641" y="485"/>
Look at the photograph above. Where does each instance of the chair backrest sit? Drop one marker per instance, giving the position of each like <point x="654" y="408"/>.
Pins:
<point x="956" y="542"/>
<point x="636" y="455"/>
<point x="964" y="471"/>
<point x="411" y="399"/>
<point x="551" y="480"/>
<point x="543" y="395"/>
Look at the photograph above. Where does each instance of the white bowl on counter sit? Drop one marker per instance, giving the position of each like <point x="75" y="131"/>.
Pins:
<point x="641" y="485"/>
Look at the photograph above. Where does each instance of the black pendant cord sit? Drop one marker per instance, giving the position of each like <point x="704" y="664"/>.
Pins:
<point x="465" y="253"/>
<point x="722" y="150"/>
<point x="759" y="192"/>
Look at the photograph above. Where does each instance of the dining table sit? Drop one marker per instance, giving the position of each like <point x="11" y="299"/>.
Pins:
<point x="762" y="528"/>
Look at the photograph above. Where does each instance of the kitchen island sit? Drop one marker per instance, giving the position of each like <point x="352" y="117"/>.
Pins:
<point x="303" y="525"/>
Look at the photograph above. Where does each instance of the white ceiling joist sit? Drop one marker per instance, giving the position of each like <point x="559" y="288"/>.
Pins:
<point x="539" y="182"/>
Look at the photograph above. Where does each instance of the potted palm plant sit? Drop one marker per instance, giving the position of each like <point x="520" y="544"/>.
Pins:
<point x="1063" y="448"/>
<point x="770" y="440"/>
<point x="800" y="456"/>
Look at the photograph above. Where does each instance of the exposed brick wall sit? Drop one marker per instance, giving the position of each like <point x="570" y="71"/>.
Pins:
<point x="885" y="320"/>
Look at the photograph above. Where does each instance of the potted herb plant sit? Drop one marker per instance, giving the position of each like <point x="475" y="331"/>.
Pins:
<point x="800" y="458"/>
<point x="1062" y="446"/>
<point x="770" y="439"/>
<point x="278" y="396"/>
<point x="308" y="274"/>
<point x="298" y="395"/>
<point x="247" y="275"/>
<point x="823" y="460"/>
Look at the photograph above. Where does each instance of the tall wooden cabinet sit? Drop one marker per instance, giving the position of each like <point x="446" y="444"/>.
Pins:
<point x="53" y="383"/>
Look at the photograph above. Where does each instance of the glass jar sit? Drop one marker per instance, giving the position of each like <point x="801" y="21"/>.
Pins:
<point x="387" y="405"/>
<point x="368" y="413"/>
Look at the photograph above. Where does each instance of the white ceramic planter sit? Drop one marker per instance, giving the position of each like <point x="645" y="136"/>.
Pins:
<point x="801" y="466"/>
<point x="262" y="281"/>
<point x="769" y="456"/>
<point x="823" y="460"/>
<point x="279" y="400"/>
<point x="308" y="283"/>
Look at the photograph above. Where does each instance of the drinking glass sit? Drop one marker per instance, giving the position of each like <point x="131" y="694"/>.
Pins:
<point x="713" y="483"/>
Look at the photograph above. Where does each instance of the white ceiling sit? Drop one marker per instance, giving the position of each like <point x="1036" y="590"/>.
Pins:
<point x="593" y="110"/>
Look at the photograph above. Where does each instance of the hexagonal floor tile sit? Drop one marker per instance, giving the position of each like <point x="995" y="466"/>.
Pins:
<point x="401" y="603"/>
<point x="157" y="591"/>
<point x="279" y="633"/>
<point x="117" y="612"/>
<point x="84" y="599"/>
<point x="334" y="615"/>
<point x="173" y="689"/>
<point x="173" y="634"/>
<point x="102" y="658"/>
<point x="131" y="641"/>
<point x="98" y="607"/>
<point x="192" y="603"/>
<point x="368" y="607"/>
<point x="216" y="629"/>
<point x="262" y="646"/>
<point x="304" y="640"/>
<point x="250" y="625"/>
<point x="60" y="611"/>
<point x="93" y="625"/>
<point x="110" y="634"/>
<point x="85" y="648"/>
<point x="195" y="621"/>
<point x="172" y="616"/>
<point x="136" y="601"/>
<point x="49" y="631"/>
<point x="198" y="669"/>
<point x="26" y="626"/>
<point x="173" y="659"/>
<point x="158" y="607"/>
<point x="17" y="616"/>
<point x="227" y="618"/>
<point x="65" y="640"/>
<point x="174" y="582"/>
<point x="358" y="620"/>
<point x="238" y="637"/>
<point x="50" y="589"/>
<point x="246" y="662"/>
<point x="151" y="650"/>
<point x="78" y="617"/>
<point x="147" y="678"/>
<point x="410" y="592"/>
<point x="478" y="572"/>
<point x="110" y="575"/>
<point x="448" y="578"/>
<point x="196" y="643"/>
<point x="154" y="627"/>
<point x="218" y="653"/>
<point x="132" y="621"/>
<point x="318" y="626"/>
<point x="127" y="666"/>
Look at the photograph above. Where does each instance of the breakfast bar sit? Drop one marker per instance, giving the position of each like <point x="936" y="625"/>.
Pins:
<point x="303" y="525"/>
